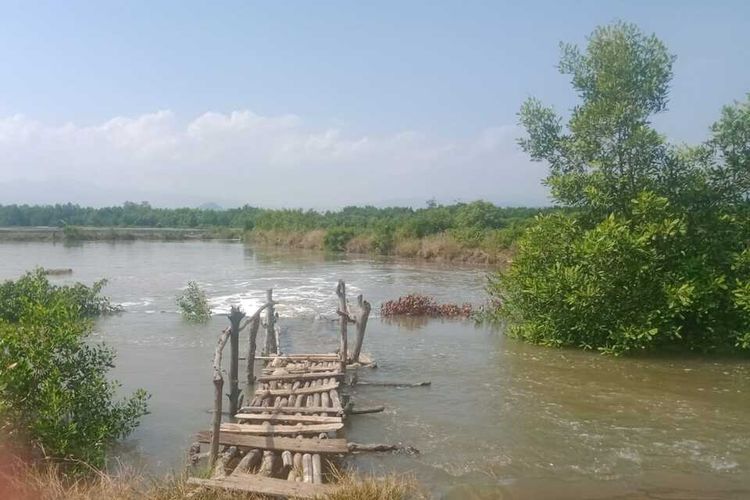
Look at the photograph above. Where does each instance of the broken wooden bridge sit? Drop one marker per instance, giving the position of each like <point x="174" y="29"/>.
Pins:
<point x="288" y="437"/>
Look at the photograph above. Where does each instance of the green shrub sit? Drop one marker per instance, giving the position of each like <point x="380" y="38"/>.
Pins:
<point x="336" y="239"/>
<point x="53" y="386"/>
<point x="627" y="284"/>
<point x="383" y="239"/>
<point x="73" y="233"/>
<point x="193" y="303"/>
<point x="655" y="254"/>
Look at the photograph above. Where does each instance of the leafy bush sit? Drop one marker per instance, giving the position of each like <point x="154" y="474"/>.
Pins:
<point x="656" y="253"/>
<point x="336" y="239"/>
<point x="625" y="284"/>
<point x="53" y="385"/>
<point x="194" y="304"/>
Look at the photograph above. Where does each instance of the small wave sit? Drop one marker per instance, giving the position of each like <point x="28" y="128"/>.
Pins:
<point x="146" y="301"/>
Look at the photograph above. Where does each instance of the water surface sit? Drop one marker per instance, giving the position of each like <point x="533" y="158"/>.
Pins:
<point x="502" y="419"/>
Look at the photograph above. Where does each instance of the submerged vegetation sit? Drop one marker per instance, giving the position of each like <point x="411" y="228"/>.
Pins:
<point x="422" y="305"/>
<point x="55" y="398"/>
<point x="654" y="252"/>
<point x="193" y="304"/>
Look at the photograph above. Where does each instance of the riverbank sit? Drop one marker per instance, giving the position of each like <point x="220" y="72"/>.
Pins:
<point x="441" y="247"/>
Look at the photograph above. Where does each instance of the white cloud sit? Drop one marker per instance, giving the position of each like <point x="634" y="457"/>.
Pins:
<point x="242" y="157"/>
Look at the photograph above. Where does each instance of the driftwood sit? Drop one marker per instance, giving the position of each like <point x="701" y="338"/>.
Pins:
<point x="379" y="447"/>
<point x="218" y="386"/>
<point x="361" y="411"/>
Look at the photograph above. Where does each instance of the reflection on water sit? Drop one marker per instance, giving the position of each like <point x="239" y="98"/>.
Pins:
<point x="501" y="419"/>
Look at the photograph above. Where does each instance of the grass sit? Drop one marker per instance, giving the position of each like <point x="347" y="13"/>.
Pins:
<point x="21" y="481"/>
<point x="441" y="247"/>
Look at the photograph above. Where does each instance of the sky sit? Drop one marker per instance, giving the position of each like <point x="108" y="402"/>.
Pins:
<point x="317" y="104"/>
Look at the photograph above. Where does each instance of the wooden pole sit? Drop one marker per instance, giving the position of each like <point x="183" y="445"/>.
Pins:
<point x="344" y="320"/>
<point x="271" y="347"/>
<point x="235" y="316"/>
<point x="218" y="387"/>
<point x="250" y="369"/>
<point x="361" y="320"/>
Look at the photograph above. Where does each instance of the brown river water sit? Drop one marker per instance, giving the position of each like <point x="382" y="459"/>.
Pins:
<point x="502" y="419"/>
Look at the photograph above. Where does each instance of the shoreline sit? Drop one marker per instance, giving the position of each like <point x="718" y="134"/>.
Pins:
<point x="441" y="248"/>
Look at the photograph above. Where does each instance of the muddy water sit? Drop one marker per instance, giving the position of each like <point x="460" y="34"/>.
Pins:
<point x="501" y="420"/>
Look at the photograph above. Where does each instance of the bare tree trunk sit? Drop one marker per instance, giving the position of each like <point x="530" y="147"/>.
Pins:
<point x="361" y="320"/>
<point x="344" y="320"/>
<point x="218" y="387"/>
<point x="235" y="316"/>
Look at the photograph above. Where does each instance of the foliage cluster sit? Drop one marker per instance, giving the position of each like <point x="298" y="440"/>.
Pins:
<point x="193" y="303"/>
<point x="54" y="390"/>
<point x="654" y="253"/>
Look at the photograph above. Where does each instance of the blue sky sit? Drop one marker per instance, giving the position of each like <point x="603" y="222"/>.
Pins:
<point x="425" y="91"/>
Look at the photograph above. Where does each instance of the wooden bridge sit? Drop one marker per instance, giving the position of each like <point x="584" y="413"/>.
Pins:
<point x="288" y="437"/>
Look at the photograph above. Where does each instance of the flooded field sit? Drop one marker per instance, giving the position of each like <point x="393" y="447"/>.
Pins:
<point x="502" y="419"/>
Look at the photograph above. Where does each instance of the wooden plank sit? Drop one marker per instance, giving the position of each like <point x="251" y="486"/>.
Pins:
<point x="253" y="483"/>
<point x="305" y="419"/>
<point x="301" y="376"/>
<point x="297" y="371"/>
<point x="335" y="409"/>
<point x="301" y="390"/>
<point x="302" y="357"/>
<point x="305" y="445"/>
<point x="269" y="430"/>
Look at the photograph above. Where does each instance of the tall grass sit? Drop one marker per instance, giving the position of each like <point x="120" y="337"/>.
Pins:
<point x="21" y="481"/>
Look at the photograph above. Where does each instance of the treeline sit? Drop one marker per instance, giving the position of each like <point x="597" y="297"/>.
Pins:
<point x="128" y="215"/>
<point x="419" y="222"/>
<point x="474" y="230"/>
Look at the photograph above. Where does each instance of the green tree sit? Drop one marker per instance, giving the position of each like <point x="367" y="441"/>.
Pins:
<point x="608" y="153"/>
<point x="54" y="390"/>
<point x="193" y="303"/>
<point x="655" y="252"/>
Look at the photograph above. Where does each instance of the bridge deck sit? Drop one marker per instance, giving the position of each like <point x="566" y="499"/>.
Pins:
<point x="294" y="419"/>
